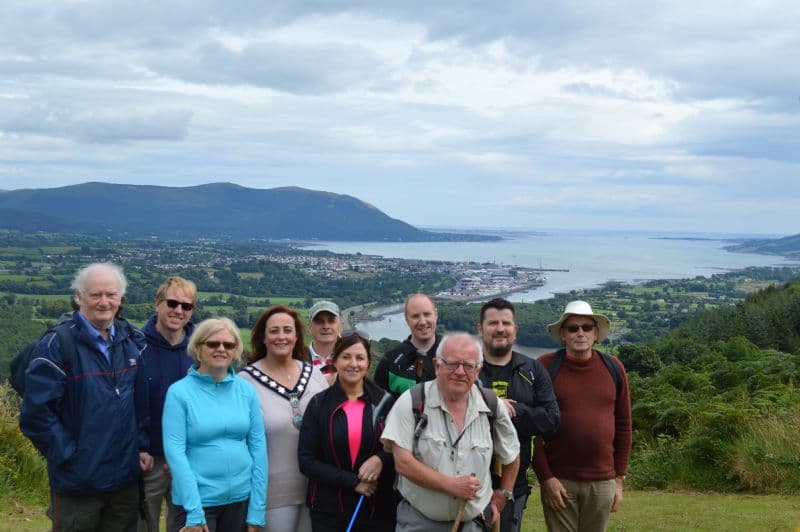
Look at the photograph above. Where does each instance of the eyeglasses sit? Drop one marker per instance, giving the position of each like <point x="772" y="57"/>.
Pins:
<point x="452" y="366"/>
<point x="587" y="327"/>
<point x="355" y="332"/>
<point x="173" y="303"/>
<point x="297" y="416"/>
<point x="214" y="344"/>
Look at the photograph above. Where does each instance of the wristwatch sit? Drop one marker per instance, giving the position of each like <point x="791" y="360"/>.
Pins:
<point x="508" y="494"/>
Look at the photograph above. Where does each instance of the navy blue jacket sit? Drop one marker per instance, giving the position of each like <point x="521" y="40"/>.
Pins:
<point x="164" y="364"/>
<point x="324" y="454"/>
<point x="90" y="423"/>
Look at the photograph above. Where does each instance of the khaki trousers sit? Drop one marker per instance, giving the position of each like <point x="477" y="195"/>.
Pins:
<point x="588" y="507"/>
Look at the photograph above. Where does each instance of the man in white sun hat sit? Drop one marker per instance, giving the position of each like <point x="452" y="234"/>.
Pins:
<point x="581" y="468"/>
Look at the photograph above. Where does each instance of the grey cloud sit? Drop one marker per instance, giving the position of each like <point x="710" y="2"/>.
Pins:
<point x="98" y="125"/>
<point x="294" y="69"/>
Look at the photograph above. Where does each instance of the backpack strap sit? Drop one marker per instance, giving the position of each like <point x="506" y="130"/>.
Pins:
<point x="555" y="365"/>
<point x="420" y="417"/>
<point x="69" y="352"/>
<point x="613" y="369"/>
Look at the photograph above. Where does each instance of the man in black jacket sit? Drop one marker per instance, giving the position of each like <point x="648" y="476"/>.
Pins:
<point x="412" y="361"/>
<point x="525" y="387"/>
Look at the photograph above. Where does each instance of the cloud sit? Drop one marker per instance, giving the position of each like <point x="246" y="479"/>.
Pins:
<point x="537" y="113"/>
<point x="100" y="125"/>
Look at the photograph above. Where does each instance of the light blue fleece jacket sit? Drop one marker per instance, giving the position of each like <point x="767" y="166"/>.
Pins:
<point x="215" y="445"/>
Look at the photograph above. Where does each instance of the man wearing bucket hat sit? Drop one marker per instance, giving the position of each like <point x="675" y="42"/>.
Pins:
<point x="325" y="324"/>
<point x="581" y="468"/>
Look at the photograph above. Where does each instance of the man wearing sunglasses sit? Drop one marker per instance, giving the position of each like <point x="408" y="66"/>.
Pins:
<point x="412" y="361"/>
<point x="524" y="386"/>
<point x="581" y="468"/>
<point x="166" y="361"/>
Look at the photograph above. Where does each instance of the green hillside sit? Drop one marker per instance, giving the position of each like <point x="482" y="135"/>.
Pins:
<point x="217" y="210"/>
<point x="788" y="246"/>
<point x="723" y="412"/>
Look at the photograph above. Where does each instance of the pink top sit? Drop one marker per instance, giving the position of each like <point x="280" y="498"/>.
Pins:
<point x="354" y="410"/>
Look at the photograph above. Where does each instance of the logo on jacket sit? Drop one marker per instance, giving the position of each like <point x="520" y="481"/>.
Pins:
<point x="131" y="362"/>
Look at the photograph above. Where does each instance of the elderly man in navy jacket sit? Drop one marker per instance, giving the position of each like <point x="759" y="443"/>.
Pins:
<point x="165" y="361"/>
<point x="86" y="410"/>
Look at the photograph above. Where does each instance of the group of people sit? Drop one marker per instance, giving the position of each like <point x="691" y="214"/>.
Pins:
<point x="298" y="437"/>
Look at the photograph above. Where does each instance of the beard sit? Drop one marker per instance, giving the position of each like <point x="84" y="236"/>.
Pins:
<point x="499" y="350"/>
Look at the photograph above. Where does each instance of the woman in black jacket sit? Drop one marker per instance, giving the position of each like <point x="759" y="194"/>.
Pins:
<point x="340" y="450"/>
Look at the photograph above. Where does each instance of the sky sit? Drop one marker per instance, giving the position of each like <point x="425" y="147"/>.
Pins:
<point x="668" y="116"/>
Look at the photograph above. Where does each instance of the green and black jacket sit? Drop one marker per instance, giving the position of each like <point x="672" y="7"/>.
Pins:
<point x="403" y="367"/>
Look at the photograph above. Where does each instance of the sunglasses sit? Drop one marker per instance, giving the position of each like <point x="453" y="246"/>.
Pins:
<point x="355" y="332"/>
<point x="587" y="327"/>
<point x="453" y="366"/>
<point x="214" y="344"/>
<point x="173" y="303"/>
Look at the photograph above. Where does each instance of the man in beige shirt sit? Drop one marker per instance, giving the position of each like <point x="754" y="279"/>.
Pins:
<point x="455" y="447"/>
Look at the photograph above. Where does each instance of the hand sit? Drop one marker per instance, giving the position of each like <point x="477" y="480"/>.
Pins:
<point x="254" y="528"/>
<point x="510" y="406"/>
<point x="366" y="488"/>
<point x="370" y="470"/>
<point x="195" y="528"/>
<point x="498" y="501"/>
<point x="617" y="495"/>
<point x="166" y="470"/>
<point x="554" y="494"/>
<point x="464" y="487"/>
<point x="145" y="462"/>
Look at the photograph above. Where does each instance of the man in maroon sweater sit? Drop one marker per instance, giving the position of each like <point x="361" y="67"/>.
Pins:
<point x="581" y="468"/>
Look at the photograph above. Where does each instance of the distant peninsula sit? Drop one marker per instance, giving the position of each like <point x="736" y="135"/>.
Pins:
<point x="216" y="210"/>
<point x="788" y="246"/>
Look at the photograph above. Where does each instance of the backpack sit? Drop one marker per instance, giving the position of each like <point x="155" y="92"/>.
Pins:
<point x="19" y="364"/>
<point x="421" y="418"/>
<point x="611" y="366"/>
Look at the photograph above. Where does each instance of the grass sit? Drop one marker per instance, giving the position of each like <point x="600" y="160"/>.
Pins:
<point x="667" y="511"/>
<point x="641" y="511"/>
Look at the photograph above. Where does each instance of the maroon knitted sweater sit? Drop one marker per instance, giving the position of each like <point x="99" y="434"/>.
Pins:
<point x="593" y="440"/>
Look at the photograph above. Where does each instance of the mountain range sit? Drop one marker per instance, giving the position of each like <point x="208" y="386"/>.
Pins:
<point x="216" y="210"/>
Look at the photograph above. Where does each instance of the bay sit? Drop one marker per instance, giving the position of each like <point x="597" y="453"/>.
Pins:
<point x="591" y="259"/>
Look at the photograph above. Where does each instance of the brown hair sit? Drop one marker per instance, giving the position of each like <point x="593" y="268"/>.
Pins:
<point x="259" y="333"/>
<point x="349" y="340"/>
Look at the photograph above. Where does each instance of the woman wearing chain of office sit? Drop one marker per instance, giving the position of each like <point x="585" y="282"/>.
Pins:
<point x="285" y="381"/>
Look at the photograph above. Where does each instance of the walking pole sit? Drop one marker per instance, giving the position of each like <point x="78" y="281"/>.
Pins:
<point x="498" y="470"/>
<point x="355" y="513"/>
<point x="459" y="515"/>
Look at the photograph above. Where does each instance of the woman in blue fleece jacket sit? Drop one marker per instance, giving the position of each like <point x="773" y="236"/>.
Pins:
<point x="214" y="438"/>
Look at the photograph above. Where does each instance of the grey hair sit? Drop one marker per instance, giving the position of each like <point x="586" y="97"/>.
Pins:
<point x="79" y="283"/>
<point x="478" y="344"/>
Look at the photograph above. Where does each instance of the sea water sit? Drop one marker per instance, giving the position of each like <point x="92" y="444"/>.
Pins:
<point x="589" y="258"/>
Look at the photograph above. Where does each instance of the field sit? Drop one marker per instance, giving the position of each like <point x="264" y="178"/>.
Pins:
<point x="667" y="511"/>
<point x="641" y="511"/>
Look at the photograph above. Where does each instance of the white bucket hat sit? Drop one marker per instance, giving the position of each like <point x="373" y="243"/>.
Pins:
<point x="580" y="308"/>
